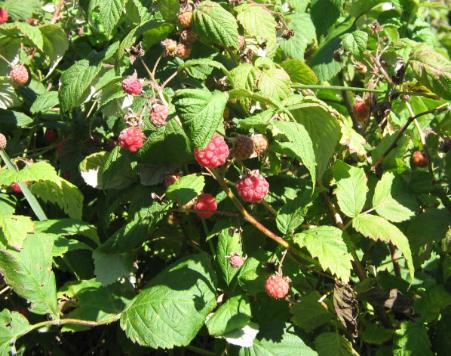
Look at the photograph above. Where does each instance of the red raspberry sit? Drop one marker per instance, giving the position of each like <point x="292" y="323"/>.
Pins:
<point x="159" y="114"/>
<point x="132" y="85"/>
<point x="236" y="260"/>
<point x="260" y="143"/>
<point x="131" y="139"/>
<point x="170" y="179"/>
<point x="214" y="154"/>
<point x="15" y="187"/>
<point x="50" y="135"/>
<point x="3" y="15"/>
<point x="253" y="188"/>
<point x="188" y="37"/>
<point x="243" y="147"/>
<point x="277" y="286"/>
<point x="419" y="159"/>
<point x="206" y="202"/>
<point x="170" y="47"/>
<point x="185" y="19"/>
<point x="3" y="141"/>
<point x="19" y="74"/>
<point x="183" y="50"/>
<point x="361" y="109"/>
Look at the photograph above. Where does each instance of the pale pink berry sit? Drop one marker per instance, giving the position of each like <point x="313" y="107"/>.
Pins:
<point x="277" y="286"/>
<point x="131" y="139"/>
<point x="19" y="75"/>
<point x="132" y="85"/>
<point x="3" y="15"/>
<point x="214" y="154"/>
<point x="206" y="204"/>
<point x="236" y="260"/>
<point x="159" y="114"/>
<point x="252" y="188"/>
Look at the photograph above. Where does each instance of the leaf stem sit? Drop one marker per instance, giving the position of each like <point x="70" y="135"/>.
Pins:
<point x="338" y="88"/>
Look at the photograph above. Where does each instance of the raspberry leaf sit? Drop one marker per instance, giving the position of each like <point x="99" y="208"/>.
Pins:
<point x="14" y="229"/>
<point x="229" y="242"/>
<point x="186" y="188"/>
<point x="12" y="325"/>
<point x="331" y="343"/>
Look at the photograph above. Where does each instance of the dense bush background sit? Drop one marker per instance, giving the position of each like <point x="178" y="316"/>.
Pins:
<point x="100" y="255"/>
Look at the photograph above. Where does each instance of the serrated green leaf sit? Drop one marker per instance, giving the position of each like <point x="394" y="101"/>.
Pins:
<point x="229" y="242"/>
<point x="68" y="227"/>
<point x="201" y="68"/>
<point x="326" y="243"/>
<point x="244" y="76"/>
<point x="411" y="340"/>
<point x="333" y="344"/>
<point x="309" y="314"/>
<point x="432" y="302"/>
<point x="12" y="325"/>
<point x="44" y="102"/>
<point x="201" y="112"/>
<point x="28" y="34"/>
<point x="273" y="83"/>
<point x="14" y="229"/>
<point x="29" y="273"/>
<point x="351" y="188"/>
<point x="116" y="171"/>
<point x="378" y="228"/>
<point x="55" y="44"/>
<point x="299" y="144"/>
<point x="375" y="334"/>
<point x="355" y="42"/>
<point x="172" y="309"/>
<point x="109" y="12"/>
<point x="109" y="267"/>
<point x="391" y="199"/>
<point x="22" y="10"/>
<point x="186" y="188"/>
<point x="232" y="315"/>
<point x="299" y="71"/>
<point x="214" y="25"/>
<point x="304" y="33"/>
<point x="169" y="9"/>
<point x="156" y="31"/>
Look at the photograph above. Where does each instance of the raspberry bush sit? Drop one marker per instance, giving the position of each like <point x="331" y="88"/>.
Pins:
<point x="225" y="177"/>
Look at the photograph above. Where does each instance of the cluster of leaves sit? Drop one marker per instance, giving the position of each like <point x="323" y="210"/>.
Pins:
<point x="98" y="252"/>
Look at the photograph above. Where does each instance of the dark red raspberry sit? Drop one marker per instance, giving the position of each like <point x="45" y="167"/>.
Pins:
<point x="185" y="19"/>
<point x="236" y="260"/>
<point x="243" y="147"/>
<point x="170" y="47"/>
<point x="131" y="139"/>
<point x="183" y="50"/>
<point x="188" y="37"/>
<point x="170" y="179"/>
<point x="15" y="187"/>
<point x="253" y="188"/>
<point x="3" y="141"/>
<point x="260" y="144"/>
<point x="419" y="159"/>
<point x="50" y="135"/>
<point x="206" y="203"/>
<point x="19" y="75"/>
<point x="3" y="15"/>
<point x="277" y="286"/>
<point x="361" y="109"/>
<point x="214" y="154"/>
<point x="132" y="85"/>
<point x="159" y="114"/>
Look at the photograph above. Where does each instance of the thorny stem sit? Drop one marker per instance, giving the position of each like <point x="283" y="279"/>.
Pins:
<point x="154" y="82"/>
<point x="438" y="109"/>
<point x="338" y="88"/>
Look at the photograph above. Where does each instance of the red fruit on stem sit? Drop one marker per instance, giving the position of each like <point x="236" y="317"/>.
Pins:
<point x="277" y="286"/>
<point x="132" y="85"/>
<point x="131" y="139"/>
<point x="206" y="202"/>
<point x="3" y="15"/>
<point x="3" y="142"/>
<point x="214" y="154"/>
<point x="419" y="159"/>
<point x="253" y="188"/>
<point x="19" y="74"/>
<point x="50" y="135"/>
<point x="361" y="109"/>
<point x="15" y="187"/>
<point x="159" y="114"/>
<point x="236" y="260"/>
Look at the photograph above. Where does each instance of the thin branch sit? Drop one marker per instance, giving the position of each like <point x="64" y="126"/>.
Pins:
<point x="195" y="211"/>
<point x="57" y="15"/>
<point x="393" y="145"/>
<point x="338" y="88"/>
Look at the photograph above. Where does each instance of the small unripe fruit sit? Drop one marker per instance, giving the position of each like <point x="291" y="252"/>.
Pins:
<point x="361" y="109"/>
<point x="170" y="47"/>
<point x="188" y="37"/>
<point x="243" y="147"/>
<point x="207" y="205"/>
<point x="214" y="154"/>
<point x="132" y="85"/>
<point x="260" y="144"/>
<point x="3" y="141"/>
<point x="15" y="187"/>
<point x="360" y="67"/>
<point x="277" y="286"/>
<point x="183" y="50"/>
<point x="159" y="114"/>
<point x="253" y="188"/>
<point x="185" y="19"/>
<point x="419" y="159"/>
<point x="50" y="135"/>
<point x="3" y="15"/>
<point x="131" y="139"/>
<point x="19" y="75"/>
<point x="236" y="260"/>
